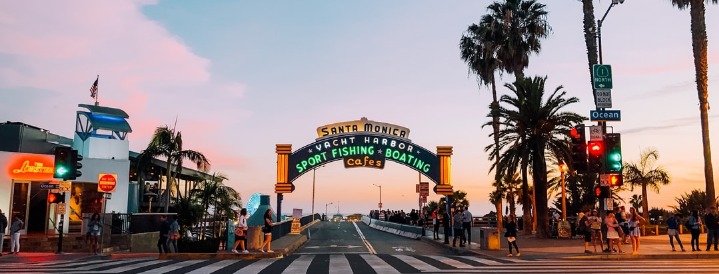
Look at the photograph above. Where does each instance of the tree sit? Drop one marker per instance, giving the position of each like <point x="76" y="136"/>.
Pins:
<point x="644" y="174"/>
<point x="690" y="201"/>
<point x="636" y="201"/>
<point x="590" y="37"/>
<point x="699" y="49"/>
<point x="545" y="128"/>
<point x="459" y="198"/>
<point x="167" y="143"/>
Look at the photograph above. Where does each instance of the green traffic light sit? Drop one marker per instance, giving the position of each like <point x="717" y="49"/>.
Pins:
<point x="61" y="170"/>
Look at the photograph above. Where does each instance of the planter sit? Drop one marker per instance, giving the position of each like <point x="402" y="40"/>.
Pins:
<point x="211" y="245"/>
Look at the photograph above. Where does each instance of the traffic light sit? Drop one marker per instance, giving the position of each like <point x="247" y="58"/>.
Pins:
<point x="614" y="153"/>
<point x="75" y="166"/>
<point x="595" y="156"/>
<point x="55" y="198"/>
<point x="63" y="158"/>
<point x="615" y="180"/>
<point x="579" y="149"/>
<point x="602" y="192"/>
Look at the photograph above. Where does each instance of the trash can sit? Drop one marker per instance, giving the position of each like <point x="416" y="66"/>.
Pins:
<point x="489" y="238"/>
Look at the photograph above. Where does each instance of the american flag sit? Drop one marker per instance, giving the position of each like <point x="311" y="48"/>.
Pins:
<point x="93" y="88"/>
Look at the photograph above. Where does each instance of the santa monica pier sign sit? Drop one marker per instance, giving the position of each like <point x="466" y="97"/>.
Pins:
<point x="363" y="143"/>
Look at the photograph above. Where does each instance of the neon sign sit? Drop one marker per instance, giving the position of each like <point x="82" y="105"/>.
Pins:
<point x="354" y="149"/>
<point x="363" y="126"/>
<point x="31" y="167"/>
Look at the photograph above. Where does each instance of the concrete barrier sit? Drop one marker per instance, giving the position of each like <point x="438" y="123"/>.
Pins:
<point x="409" y="231"/>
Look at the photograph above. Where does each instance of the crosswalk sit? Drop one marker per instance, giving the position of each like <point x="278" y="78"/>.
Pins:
<point x="364" y="263"/>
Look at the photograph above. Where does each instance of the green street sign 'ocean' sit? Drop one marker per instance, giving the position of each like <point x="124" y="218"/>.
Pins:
<point x="602" y="76"/>
<point x="605" y="115"/>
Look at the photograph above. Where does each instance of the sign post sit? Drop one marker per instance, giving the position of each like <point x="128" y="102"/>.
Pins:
<point x="60" y="207"/>
<point x="105" y="183"/>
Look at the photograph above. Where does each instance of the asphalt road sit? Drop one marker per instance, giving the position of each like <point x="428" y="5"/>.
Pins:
<point x="358" y="238"/>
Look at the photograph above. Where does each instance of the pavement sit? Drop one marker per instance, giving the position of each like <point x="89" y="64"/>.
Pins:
<point x="650" y="247"/>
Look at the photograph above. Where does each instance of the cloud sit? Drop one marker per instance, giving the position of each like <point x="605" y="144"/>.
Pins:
<point x="670" y="124"/>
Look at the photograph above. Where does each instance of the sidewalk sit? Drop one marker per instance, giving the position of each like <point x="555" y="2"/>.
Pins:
<point x="651" y="247"/>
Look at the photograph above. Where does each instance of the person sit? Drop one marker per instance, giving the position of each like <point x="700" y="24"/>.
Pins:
<point x="622" y="219"/>
<point x="435" y="223"/>
<point x="15" y="228"/>
<point x="3" y="227"/>
<point x="613" y="232"/>
<point x="511" y="234"/>
<point x="241" y="231"/>
<point x="447" y="224"/>
<point x="164" y="230"/>
<point x="711" y="220"/>
<point x="174" y="234"/>
<point x="467" y="225"/>
<point x="673" y="230"/>
<point x="584" y="230"/>
<point x="595" y="226"/>
<point x="457" y="225"/>
<point x="94" y="227"/>
<point x="695" y="225"/>
<point x="267" y="229"/>
<point x="634" y="220"/>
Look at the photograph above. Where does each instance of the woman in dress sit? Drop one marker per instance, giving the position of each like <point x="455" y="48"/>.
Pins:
<point x="613" y="232"/>
<point x="634" y="220"/>
<point x="241" y="227"/>
<point x="267" y="229"/>
<point x="511" y="234"/>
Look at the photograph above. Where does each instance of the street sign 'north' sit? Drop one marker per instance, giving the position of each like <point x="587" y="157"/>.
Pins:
<point x="605" y="115"/>
<point x="602" y="76"/>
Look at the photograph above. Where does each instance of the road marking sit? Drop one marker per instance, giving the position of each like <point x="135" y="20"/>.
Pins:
<point x="339" y="264"/>
<point x="173" y="266"/>
<point x="364" y="240"/>
<point x="213" y="267"/>
<point x="300" y="265"/>
<point x="450" y="261"/>
<point x="416" y="263"/>
<point x="379" y="265"/>
<point x="256" y="267"/>
<point x="484" y="261"/>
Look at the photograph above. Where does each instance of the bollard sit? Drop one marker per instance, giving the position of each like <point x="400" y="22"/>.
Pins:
<point x="656" y="230"/>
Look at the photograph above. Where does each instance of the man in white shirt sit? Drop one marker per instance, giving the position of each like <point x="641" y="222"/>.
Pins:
<point x="467" y="224"/>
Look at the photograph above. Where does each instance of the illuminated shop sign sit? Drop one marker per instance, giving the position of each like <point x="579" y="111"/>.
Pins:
<point x="363" y="126"/>
<point x="363" y="150"/>
<point x="31" y="167"/>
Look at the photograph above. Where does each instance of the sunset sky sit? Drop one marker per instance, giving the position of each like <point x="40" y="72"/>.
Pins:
<point x="242" y="76"/>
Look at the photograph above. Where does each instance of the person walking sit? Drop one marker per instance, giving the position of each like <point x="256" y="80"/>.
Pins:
<point x="174" y="234"/>
<point x="447" y="224"/>
<point x="94" y="227"/>
<point x="241" y="232"/>
<point x="695" y="225"/>
<point x="3" y="227"/>
<point x="457" y="225"/>
<point x="164" y="231"/>
<point x="267" y="229"/>
<point x="511" y="234"/>
<point x="634" y="221"/>
<point x="673" y="230"/>
<point x="595" y="226"/>
<point x="435" y="223"/>
<point x="15" y="228"/>
<point x="584" y="230"/>
<point x="711" y="220"/>
<point x="467" y="225"/>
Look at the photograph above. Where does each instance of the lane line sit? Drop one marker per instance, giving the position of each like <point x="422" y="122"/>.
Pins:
<point x="364" y="240"/>
<point x="417" y="263"/>
<point x="213" y="267"/>
<point x="449" y="261"/>
<point x="172" y="267"/>
<point x="379" y="265"/>
<point x="256" y="267"/>
<point x="339" y="264"/>
<point x="300" y="265"/>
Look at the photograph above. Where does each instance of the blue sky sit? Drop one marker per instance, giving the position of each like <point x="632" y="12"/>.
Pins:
<point x="242" y="76"/>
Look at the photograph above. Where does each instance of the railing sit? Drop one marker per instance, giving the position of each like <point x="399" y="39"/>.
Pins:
<point x="283" y="228"/>
<point x="120" y="223"/>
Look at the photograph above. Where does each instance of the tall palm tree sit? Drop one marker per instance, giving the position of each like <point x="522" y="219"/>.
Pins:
<point x="645" y="174"/>
<point x="167" y="143"/>
<point x="699" y="48"/>
<point x="590" y="35"/>
<point x="478" y="50"/>
<point x="636" y="201"/>
<point x="545" y="128"/>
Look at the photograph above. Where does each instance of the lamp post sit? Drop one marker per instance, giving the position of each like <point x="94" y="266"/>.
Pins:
<point x="326" y="210"/>
<point x="380" y="196"/>
<point x="562" y="169"/>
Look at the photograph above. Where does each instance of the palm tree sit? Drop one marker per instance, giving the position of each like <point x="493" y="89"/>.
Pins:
<point x="590" y="35"/>
<point x="545" y="127"/>
<point x="644" y="174"/>
<point x="636" y="201"/>
<point x="699" y="47"/>
<point x="167" y="143"/>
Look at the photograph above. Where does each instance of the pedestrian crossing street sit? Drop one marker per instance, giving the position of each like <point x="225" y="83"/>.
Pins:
<point x="364" y="263"/>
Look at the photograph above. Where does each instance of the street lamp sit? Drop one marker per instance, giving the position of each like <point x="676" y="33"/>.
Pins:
<point x="380" y="196"/>
<point x="562" y="169"/>
<point x="326" y="210"/>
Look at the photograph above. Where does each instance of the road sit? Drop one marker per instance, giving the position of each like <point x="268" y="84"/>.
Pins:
<point x="356" y="248"/>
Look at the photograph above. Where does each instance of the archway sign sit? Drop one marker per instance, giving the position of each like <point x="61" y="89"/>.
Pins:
<point x="361" y="143"/>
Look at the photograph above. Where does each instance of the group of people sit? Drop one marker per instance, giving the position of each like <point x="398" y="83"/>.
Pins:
<point x="169" y="234"/>
<point x="415" y="217"/>
<point x="461" y="223"/>
<point x="15" y="228"/>
<point x="620" y="227"/>
<point x="241" y="232"/>
<point x="617" y="227"/>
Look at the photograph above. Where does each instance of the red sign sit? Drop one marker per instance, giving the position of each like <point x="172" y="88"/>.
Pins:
<point x="106" y="182"/>
<point x="31" y="167"/>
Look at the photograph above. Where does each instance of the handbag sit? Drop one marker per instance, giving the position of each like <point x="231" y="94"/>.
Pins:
<point x="239" y="231"/>
<point x="174" y="236"/>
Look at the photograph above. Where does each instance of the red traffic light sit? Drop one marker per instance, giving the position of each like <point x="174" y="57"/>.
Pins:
<point x="598" y="191"/>
<point x="595" y="147"/>
<point x="55" y="198"/>
<point x="615" y="180"/>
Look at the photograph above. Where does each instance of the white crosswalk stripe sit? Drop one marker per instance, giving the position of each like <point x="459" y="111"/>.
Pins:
<point x="382" y="264"/>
